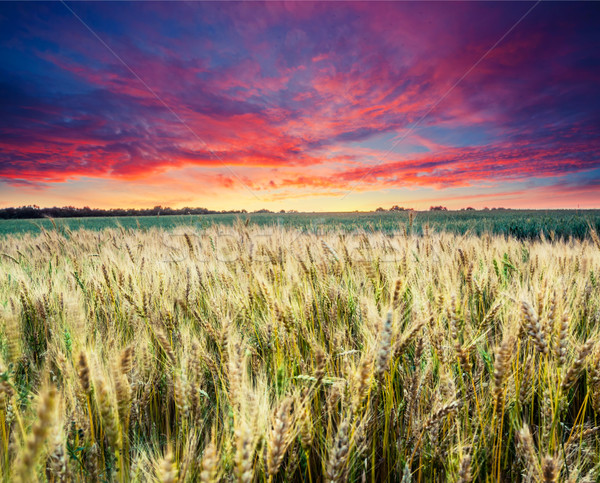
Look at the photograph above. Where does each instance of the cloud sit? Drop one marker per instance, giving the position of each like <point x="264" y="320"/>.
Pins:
<point x="319" y="91"/>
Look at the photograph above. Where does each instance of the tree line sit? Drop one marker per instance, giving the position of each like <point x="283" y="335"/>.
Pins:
<point x="33" y="211"/>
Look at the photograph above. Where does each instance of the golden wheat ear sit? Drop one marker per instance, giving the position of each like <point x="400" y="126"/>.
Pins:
<point x="209" y="468"/>
<point x="46" y="414"/>
<point x="166" y="470"/>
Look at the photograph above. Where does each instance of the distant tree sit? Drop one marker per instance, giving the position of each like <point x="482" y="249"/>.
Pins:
<point x="380" y="209"/>
<point x="470" y="208"/>
<point x="25" y="212"/>
<point x="281" y="211"/>
<point x="438" y="208"/>
<point x="397" y="208"/>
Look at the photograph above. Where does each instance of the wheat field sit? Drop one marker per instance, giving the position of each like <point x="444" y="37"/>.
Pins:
<point x="245" y="353"/>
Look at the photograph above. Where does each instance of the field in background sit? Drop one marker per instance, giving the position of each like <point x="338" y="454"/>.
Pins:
<point x="253" y="354"/>
<point x="522" y="224"/>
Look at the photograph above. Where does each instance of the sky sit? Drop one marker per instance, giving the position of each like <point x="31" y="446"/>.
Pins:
<point x="308" y="106"/>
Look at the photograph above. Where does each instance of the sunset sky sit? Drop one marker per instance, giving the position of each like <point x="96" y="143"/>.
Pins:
<point x="317" y="107"/>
